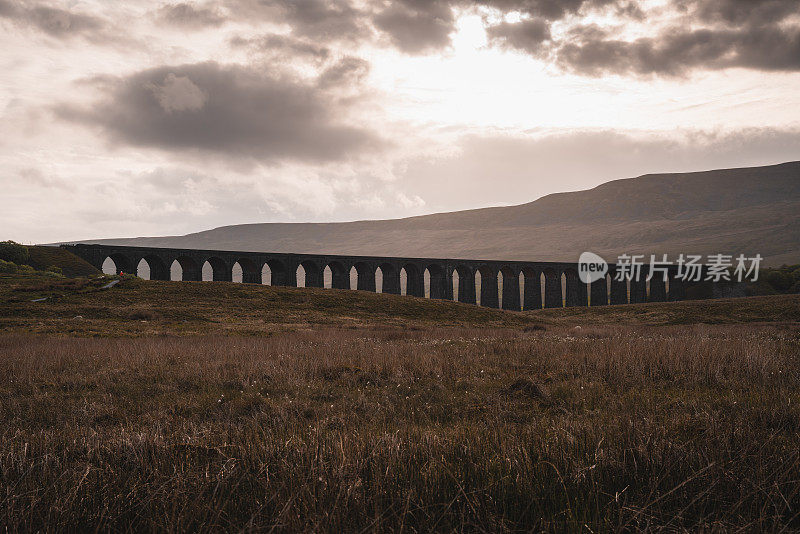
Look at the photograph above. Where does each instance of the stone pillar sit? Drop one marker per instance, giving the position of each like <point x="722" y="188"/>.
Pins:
<point x="576" y="290"/>
<point x="366" y="278"/>
<point x="638" y="290"/>
<point x="599" y="292"/>
<point x="158" y="270"/>
<point x="222" y="273"/>
<point x="192" y="273"/>
<point x="552" y="290"/>
<point x="437" y="281"/>
<point x="466" y="287"/>
<point x="677" y="288"/>
<point x="415" y="283"/>
<point x="489" y="297"/>
<point x="532" y="298"/>
<point x="391" y="281"/>
<point x="448" y="285"/>
<point x="619" y="290"/>
<point x="340" y="278"/>
<point x="658" y="289"/>
<point x="313" y="275"/>
<point x="510" y="291"/>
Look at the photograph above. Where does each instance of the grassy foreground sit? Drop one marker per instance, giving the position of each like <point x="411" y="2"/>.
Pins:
<point x="471" y="419"/>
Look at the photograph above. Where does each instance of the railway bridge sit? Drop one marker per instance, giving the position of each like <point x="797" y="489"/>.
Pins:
<point x="510" y="285"/>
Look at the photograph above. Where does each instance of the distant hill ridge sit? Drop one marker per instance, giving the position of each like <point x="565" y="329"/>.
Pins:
<point x="747" y="210"/>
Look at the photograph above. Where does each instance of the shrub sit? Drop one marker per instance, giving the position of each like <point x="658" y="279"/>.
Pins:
<point x="14" y="252"/>
<point x="7" y="267"/>
<point x="779" y="280"/>
<point x="25" y="269"/>
<point x="54" y="269"/>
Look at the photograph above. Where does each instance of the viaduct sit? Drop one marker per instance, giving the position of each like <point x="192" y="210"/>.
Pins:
<point x="512" y="285"/>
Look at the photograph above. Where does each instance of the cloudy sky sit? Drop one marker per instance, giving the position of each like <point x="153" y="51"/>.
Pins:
<point x="159" y="118"/>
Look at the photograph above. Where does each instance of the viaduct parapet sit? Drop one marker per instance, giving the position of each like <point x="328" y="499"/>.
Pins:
<point x="512" y="285"/>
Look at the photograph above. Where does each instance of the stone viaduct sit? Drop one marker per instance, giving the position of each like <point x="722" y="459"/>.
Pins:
<point x="512" y="285"/>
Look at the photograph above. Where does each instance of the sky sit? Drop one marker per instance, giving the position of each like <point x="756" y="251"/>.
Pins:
<point x="137" y="118"/>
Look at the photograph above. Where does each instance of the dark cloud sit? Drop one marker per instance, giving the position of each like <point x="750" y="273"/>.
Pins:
<point x="705" y="34"/>
<point x="228" y="110"/>
<point x="677" y="51"/>
<point x="189" y="16"/>
<point x="53" y="21"/>
<point x="325" y="20"/>
<point x="417" y="26"/>
<point x="528" y="35"/>
<point x="283" y="45"/>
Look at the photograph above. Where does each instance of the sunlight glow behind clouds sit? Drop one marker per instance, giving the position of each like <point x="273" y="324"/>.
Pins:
<point x="69" y="179"/>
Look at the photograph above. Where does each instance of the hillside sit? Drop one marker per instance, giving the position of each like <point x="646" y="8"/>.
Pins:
<point x="749" y="210"/>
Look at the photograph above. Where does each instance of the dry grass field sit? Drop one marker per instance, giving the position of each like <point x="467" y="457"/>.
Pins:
<point x="173" y="406"/>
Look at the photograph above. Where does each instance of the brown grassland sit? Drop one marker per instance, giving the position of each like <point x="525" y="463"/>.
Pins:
<point x="170" y="406"/>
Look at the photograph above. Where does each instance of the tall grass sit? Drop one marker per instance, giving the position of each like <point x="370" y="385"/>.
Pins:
<point x="379" y="429"/>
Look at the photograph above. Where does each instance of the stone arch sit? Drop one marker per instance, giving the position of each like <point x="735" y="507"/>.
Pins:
<point x="489" y="288"/>
<point x="340" y="275"/>
<point x="217" y="269"/>
<point x="390" y="278"/>
<point x="437" y="282"/>
<point x="366" y="276"/>
<point x="415" y="282"/>
<point x="466" y="283"/>
<point x="266" y="275"/>
<point x="312" y="276"/>
<point x="116" y="263"/>
<point x="532" y="289"/>
<point x="576" y="293"/>
<point x="189" y="269"/>
<point x="552" y="288"/>
<point x="510" y="286"/>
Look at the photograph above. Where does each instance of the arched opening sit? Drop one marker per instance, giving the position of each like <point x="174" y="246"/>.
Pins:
<point x="117" y="263"/>
<point x="327" y="277"/>
<point x="509" y="283"/>
<point x="236" y="273"/>
<point x="365" y="277"/>
<point x="352" y="278"/>
<point x="478" y="287"/>
<point x="489" y="287"/>
<point x="403" y="281"/>
<point x="426" y="283"/>
<point x="215" y="269"/>
<point x="436" y="282"/>
<point x="311" y="276"/>
<point x="266" y="275"/>
<point x="186" y="269"/>
<point x="340" y="275"/>
<point x="531" y="289"/>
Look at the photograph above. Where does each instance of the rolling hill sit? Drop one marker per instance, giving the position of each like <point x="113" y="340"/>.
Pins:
<point x="746" y="210"/>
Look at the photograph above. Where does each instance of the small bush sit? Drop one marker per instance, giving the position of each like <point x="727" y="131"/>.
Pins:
<point x="8" y="267"/>
<point x="13" y="251"/>
<point x="779" y="280"/>
<point x="54" y="269"/>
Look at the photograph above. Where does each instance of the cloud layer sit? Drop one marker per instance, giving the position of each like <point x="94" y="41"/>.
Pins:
<point x="231" y="110"/>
